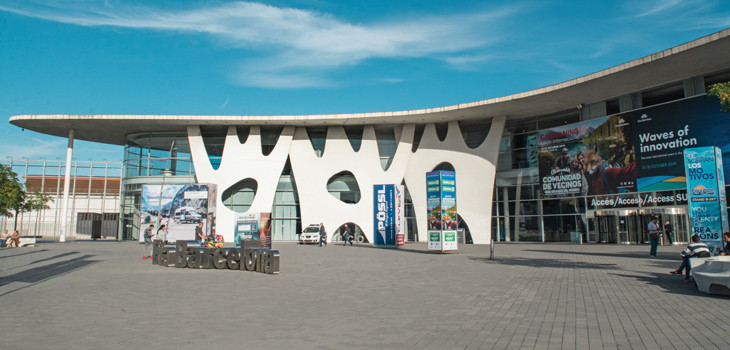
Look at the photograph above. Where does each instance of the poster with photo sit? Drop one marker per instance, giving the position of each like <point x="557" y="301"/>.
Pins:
<point x="588" y="158"/>
<point x="179" y="207"/>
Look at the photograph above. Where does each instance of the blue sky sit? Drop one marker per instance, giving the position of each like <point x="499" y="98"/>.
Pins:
<point x="308" y="56"/>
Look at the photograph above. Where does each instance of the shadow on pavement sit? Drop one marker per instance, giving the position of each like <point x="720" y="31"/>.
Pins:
<point x="24" y="253"/>
<point x="673" y="284"/>
<point x="53" y="257"/>
<point x="633" y="255"/>
<point x="532" y="262"/>
<point x="42" y="273"/>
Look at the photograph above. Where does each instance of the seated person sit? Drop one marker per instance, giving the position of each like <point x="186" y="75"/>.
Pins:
<point x="694" y="249"/>
<point x="4" y="238"/>
<point x="726" y="250"/>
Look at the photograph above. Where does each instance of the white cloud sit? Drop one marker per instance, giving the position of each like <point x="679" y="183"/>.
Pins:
<point x="299" y="42"/>
<point x="35" y="149"/>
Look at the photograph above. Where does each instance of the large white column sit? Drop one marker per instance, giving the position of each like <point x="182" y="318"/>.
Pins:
<point x="66" y="185"/>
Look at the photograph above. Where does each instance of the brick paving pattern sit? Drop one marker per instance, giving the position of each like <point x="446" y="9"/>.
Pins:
<point x="532" y="296"/>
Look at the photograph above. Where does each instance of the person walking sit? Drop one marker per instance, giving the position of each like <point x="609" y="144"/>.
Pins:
<point x="148" y="242"/>
<point x="322" y="235"/>
<point x="668" y="229"/>
<point x="346" y="237"/>
<point x="654" y="236"/>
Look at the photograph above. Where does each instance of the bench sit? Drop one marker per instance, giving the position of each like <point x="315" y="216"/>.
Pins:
<point x="28" y="241"/>
<point x="712" y="274"/>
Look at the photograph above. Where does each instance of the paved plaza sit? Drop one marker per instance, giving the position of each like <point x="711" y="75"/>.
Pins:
<point x="102" y="295"/>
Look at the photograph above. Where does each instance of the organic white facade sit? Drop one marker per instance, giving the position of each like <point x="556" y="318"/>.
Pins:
<point x="474" y="168"/>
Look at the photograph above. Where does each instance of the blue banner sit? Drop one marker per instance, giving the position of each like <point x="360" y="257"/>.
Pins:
<point x="703" y="169"/>
<point x="384" y="218"/>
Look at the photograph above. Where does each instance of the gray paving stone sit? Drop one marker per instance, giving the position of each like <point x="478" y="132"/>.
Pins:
<point x="534" y="296"/>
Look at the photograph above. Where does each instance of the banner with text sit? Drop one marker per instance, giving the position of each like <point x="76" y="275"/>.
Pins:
<point x="706" y="193"/>
<point x="441" y="206"/>
<point x="636" y="151"/>
<point x="388" y="210"/>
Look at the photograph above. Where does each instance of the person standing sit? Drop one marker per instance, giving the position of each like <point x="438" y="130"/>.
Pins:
<point x="162" y="233"/>
<point x="322" y="235"/>
<point x="199" y="233"/>
<point x="668" y="229"/>
<point x="654" y="236"/>
<point x="346" y="235"/>
<point x="148" y="242"/>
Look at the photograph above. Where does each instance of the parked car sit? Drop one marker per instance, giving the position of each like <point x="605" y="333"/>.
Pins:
<point x="310" y="234"/>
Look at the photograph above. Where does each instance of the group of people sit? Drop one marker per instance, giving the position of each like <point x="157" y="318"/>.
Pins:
<point x="8" y="240"/>
<point x="160" y="234"/>
<point x="344" y="232"/>
<point x="655" y="229"/>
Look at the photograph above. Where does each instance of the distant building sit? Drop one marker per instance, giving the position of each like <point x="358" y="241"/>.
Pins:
<point x="94" y="198"/>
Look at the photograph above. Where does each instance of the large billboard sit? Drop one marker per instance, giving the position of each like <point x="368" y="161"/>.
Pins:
<point x="630" y="152"/>
<point x="181" y="208"/>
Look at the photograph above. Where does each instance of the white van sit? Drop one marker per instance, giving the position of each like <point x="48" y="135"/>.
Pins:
<point x="186" y="215"/>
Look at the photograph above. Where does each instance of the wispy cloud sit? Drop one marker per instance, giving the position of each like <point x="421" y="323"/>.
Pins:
<point x="301" y="46"/>
<point x="35" y="149"/>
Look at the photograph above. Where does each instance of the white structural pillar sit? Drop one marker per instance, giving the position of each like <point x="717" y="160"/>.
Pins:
<point x="66" y="185"/>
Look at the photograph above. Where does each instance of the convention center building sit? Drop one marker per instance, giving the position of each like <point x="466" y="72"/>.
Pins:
<point x="588" y="160"/>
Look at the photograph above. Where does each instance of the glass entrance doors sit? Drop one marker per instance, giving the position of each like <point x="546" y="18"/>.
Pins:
<point x="631" y="226"/>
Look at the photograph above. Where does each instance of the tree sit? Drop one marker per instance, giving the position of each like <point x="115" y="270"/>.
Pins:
<point x="722" y="92"/>
<point x="11" y="191"/>
<point x="15" y="200"/>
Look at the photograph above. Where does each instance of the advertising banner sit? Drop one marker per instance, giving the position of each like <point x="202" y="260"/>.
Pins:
<point x="181" y="208"/>
<point x="388" y="215"/>
<point x="441" y="206"/>
<point x="704" y="172"/>
<point x="587" y="158"/>
<point x="632" y="152"/>
<point x="247" y="227"/>
<point x="254" y="226"/>
<point x="384" y="218"/>
<point x="400" y="215"/>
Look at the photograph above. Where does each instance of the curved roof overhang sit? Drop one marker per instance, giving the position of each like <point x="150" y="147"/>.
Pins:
<point x="699" y="57"/>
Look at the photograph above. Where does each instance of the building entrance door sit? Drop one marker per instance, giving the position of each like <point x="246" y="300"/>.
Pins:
<point x="607" y="228"/>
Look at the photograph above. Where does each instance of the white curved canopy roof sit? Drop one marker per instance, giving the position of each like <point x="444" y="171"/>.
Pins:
<point x="699" y="57"/>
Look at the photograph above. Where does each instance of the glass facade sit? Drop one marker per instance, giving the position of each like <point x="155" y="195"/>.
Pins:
<point x="522" y="214"/>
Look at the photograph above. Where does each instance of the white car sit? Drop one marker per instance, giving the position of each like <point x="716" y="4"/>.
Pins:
<point x="310" y="234"/>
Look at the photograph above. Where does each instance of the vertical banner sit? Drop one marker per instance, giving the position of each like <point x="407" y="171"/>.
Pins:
<point x="384" y="220"/>
<point x="265" y="233"/>
<point x="703" y="167"/>
<point x="400" y="218"/>
<point x="441" y="206"/>
<point x="433" y="206"/>
<point x="448" y="210"/>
